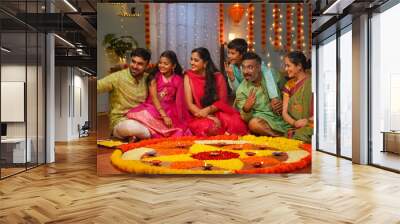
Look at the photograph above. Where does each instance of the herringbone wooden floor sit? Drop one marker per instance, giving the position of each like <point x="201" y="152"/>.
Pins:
<point x="69" y="191"/>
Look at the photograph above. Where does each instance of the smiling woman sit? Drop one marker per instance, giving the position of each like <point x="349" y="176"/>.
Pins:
<point x="207" y="99"/>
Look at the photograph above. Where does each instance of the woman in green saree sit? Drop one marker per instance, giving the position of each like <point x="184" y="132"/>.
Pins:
<point x="298" y="98"/>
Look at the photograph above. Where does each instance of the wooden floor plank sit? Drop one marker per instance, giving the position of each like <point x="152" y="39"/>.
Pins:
<point x="69" y="191"/>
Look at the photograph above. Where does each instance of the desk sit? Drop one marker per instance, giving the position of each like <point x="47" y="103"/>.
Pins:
<point x="16" y="148"/>
<point x="391" y="141"/>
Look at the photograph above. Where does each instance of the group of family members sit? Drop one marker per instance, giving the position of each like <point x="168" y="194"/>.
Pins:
<point x="172" y="102"/>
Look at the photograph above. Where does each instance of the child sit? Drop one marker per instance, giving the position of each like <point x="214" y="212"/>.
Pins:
<point x="164" y="113"/>
<point x="273" y="80"/>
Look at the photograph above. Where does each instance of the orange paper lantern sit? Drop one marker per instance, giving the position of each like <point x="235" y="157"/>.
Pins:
<point x="236" y="12"/>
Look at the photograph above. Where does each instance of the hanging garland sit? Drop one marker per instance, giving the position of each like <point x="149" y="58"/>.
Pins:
<point x="221" y="24"/>
<point x="147" y="24"/>
<point x="250" y="27"/>
<point x="309" y="30"/>
<point x="276" y="14"/>
<point x="300" y="29"/>
<point x="289" y="26"/>
<point x="264" y="27"/>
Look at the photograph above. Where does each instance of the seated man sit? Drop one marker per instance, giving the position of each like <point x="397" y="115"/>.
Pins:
<point x="254" y="102"/>
<point x="127" y="89"/>
<point x="274" y="81"/>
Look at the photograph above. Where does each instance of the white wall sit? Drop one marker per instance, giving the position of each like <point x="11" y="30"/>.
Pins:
<point x="13" y="73"/>
<point x="71" y="93"/>
<point x="33" y="127"/>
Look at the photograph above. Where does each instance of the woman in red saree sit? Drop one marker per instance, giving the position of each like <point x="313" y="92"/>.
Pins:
<point x="207" y="99"/>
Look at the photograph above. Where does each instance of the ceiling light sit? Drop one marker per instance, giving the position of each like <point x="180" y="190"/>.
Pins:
<point x="84" y="71"/>
<point x="337" y="7"/>
<point x="5" y="50"/>
<point x="70" y="5"/>
<point x="65" y="41"/>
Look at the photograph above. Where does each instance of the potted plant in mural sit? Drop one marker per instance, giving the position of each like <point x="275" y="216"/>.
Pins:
<point x="118" y="47"/>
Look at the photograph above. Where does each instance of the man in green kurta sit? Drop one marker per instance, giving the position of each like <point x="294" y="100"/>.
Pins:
<point x="254" y="102"/>
<point x="127" y="89"/>
<point x="273" y="80"/>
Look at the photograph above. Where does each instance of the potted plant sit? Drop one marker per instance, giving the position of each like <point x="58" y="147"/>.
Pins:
<point x="118" y="46"/>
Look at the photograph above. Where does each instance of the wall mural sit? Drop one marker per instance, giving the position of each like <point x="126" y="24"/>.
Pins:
<point x="204" y="88"/>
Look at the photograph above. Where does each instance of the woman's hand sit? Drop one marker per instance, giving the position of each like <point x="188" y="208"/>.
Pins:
<point x="276" y="105"/>
<point x="203" y="112"/>
<point x="301" y="123"/>
<point x="167" y="121"/>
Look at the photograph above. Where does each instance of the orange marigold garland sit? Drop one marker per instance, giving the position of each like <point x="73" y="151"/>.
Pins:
<point x="276" y="26"/>
<point x="147" y="24"/>
<point x="221" y="24"/>
<point x="289" y="26"/>
<point x="264" y="27"/>
<point x="300" y="24"/>
<point x="309" y="30"/>
<point x="250" y="27"/>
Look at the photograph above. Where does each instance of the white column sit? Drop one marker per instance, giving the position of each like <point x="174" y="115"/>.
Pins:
<point x="50" y="101"/>
<point x="50" y="93"/>
<point x="360" y="90"/>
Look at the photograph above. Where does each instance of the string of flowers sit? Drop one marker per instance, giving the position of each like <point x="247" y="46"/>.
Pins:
<point x="147" y="24"/>
<point x="221" y="24"/>
<point x="289" y="26"/>
<point x="264" y="27"/>
<point x="309" y="30"/>
<point x="250" y="27"/>
<point x="277" y="29"/>
<point x="300" y="29"/>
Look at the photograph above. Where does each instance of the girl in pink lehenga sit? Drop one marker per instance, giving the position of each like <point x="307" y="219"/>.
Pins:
<point x="164" y="112"/>
<point x="207" y="99"/>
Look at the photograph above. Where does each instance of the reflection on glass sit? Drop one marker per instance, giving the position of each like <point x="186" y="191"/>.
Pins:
<point x="346" y="94"/>
<point x="385" y="84"/>
<point x="41" y="99"/>
<point x="327" y="96"/>
<point x="13" y="83"/>
<point x="31" y="101"/>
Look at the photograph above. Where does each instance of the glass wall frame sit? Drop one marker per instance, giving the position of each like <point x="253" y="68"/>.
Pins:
<point x="332" y="142"/>
<point x="383" y="87"/>
<point x="22" y="61"/>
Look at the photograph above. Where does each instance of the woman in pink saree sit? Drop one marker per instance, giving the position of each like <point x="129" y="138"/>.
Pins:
<point x="164" y="112"/>
<point x="207" y="99"/>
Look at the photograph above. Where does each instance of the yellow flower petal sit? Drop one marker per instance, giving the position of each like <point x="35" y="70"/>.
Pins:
<point x="196" y="148"/>
<point x="230" y="164"/>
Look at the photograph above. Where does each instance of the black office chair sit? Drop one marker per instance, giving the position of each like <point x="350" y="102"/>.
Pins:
<point x="84" y="130"/>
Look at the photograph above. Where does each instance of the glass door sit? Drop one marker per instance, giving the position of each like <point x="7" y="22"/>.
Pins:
<point x="346" y="92"/>
<point x="326" y="57"/>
